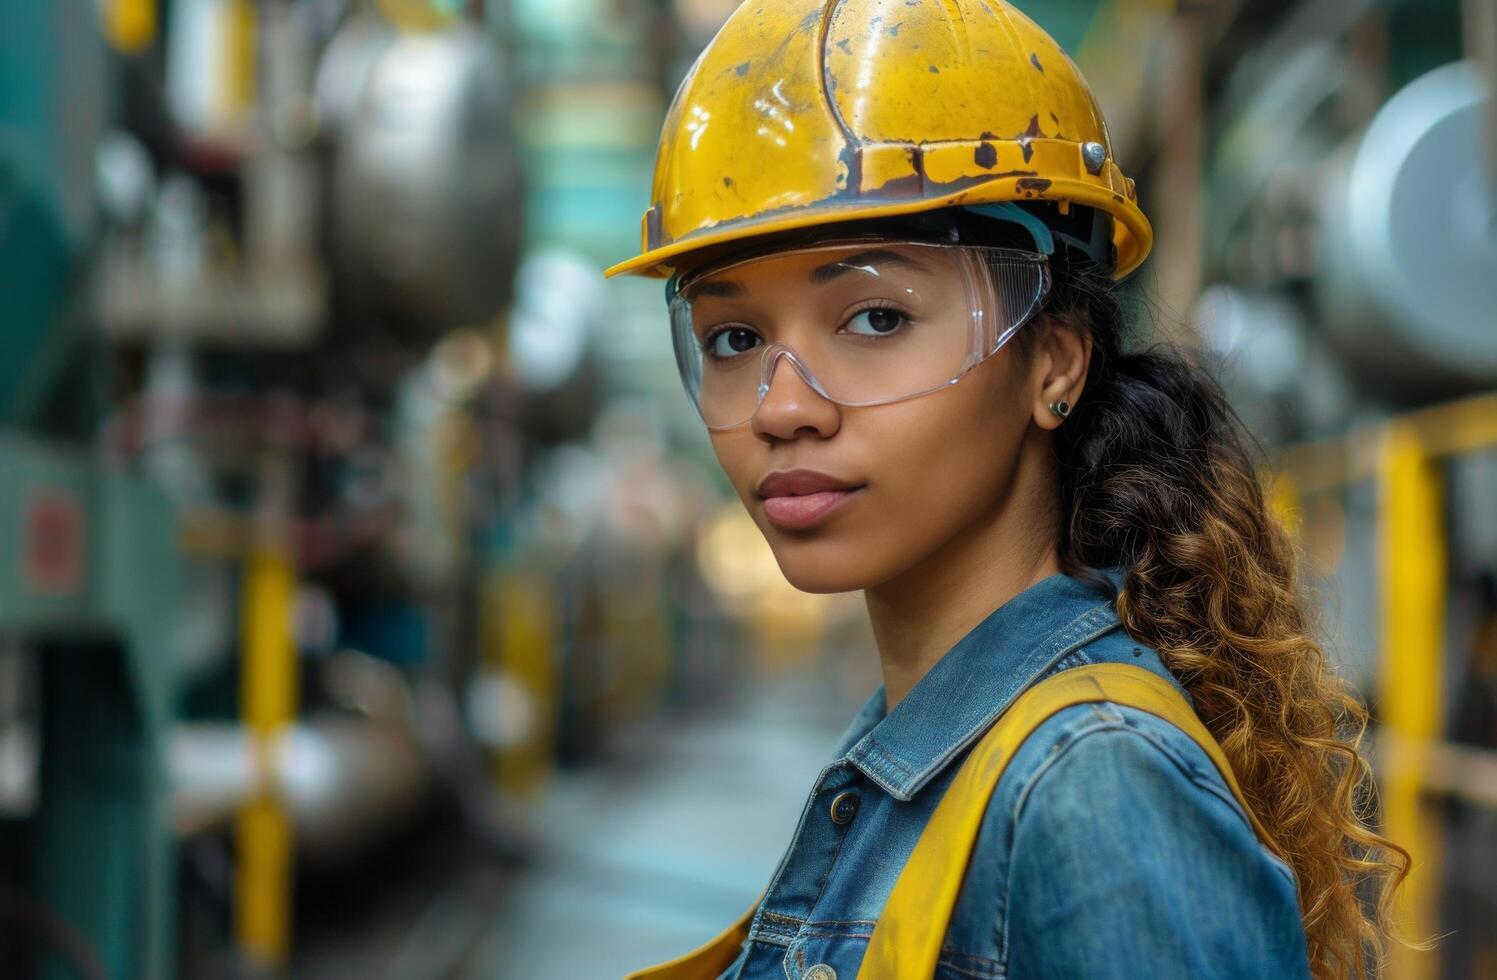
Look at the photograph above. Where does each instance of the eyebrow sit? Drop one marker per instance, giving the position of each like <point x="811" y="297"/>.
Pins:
<point x="725" y="288"/>
<point x="822" y="274"/>
<point x="826" y="273"/>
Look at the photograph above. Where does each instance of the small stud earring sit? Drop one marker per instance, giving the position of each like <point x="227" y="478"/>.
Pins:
<point x="1061" y="408"/>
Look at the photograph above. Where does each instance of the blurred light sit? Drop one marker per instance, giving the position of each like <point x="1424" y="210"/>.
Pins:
<point x="735" y="560"/>
<point x="569" y="482"/>
<point x="308" y="764"/>
<point x="125" y="177"/>
<point x="20" y="749"/>
<point x="461" y="362"/>
<point x="500" y="711"/>
<point x="18" y="769"/>
<point x="559" y="298"/>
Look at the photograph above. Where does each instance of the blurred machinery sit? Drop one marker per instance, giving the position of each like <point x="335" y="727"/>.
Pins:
<point x="1351" y="236"/>
<point x="258" y="257"/>
<point x="85" y="853"/>
<point x="1410" y="238"/>
<point x="424" y="188"/>
<point x="1364" y="238"/>
<point x="322" y="510"/>
<point x="321" y="528"/>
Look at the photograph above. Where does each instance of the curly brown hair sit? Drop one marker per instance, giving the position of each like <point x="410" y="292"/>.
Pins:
<point x="1158" y="478"/>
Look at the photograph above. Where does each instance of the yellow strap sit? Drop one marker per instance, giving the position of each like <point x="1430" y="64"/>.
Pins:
<point x="708" y="961"/>
<point x="907" y="939"/>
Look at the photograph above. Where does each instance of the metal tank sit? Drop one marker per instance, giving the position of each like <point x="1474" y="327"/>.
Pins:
<point x="425" y="191"/>
<point x="1409" y="285"/>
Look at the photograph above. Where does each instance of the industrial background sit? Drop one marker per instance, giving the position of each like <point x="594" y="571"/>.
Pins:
<point x="370" y="604"/>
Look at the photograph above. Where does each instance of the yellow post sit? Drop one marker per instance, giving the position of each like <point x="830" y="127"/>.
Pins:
<point x="518" y="630"/>
<point x="268" y="695"/>
<point x="1412" y="560"/>
<point x="1284" y="502"/>
<point x="130" y="25"/>
<point x="239" y="57"/>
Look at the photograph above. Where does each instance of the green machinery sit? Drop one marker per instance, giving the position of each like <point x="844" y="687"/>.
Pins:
<point x="88" y="578"/>
<point x="89" y="568"/>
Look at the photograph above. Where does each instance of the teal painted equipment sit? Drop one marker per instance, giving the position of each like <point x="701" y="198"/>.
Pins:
<point x="89" y="574"/>
<point x="89" y="569"/>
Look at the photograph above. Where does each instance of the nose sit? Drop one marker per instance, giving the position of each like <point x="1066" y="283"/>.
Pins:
<point x="790" y="407"/>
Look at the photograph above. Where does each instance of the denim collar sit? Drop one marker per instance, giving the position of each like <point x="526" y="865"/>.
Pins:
<point x="958" y="698"/>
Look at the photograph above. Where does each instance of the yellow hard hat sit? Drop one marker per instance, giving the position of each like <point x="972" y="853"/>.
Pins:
<point x="806" y="112"/>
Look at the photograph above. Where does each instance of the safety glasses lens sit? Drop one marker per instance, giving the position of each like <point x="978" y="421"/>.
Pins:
<point x="861" y="323"/>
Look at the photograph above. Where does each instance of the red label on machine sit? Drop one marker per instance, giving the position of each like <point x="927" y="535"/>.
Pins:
<point x="52" y="544"/>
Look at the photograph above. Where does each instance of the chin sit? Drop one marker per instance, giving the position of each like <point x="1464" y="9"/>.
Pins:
<point x="824" y="566"/>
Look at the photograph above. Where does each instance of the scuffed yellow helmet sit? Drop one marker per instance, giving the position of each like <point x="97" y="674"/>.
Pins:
<point x="806" y="112"/>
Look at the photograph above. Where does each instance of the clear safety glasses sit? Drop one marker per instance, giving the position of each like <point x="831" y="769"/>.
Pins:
<point x="862" y="322"/>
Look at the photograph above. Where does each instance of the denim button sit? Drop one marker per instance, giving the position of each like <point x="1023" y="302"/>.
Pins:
<point x="821" y="972"/>
<point x="844" y="808"/>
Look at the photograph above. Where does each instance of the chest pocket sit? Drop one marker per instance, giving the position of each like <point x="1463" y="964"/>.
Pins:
<point x="906" y="940"/>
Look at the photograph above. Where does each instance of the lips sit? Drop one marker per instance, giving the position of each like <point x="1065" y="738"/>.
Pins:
<point x="795" y="483"/>
<point x="800" y="498"/>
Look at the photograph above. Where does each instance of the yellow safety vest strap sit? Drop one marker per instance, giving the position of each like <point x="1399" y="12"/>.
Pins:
<point x="906" y="941"/>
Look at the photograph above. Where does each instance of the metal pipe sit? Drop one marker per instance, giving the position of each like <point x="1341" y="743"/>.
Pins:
<point x="342" y="780"/>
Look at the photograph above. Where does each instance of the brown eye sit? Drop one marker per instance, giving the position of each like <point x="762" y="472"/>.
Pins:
<point x="732" y="342"/>
<point x="877" y="322"/>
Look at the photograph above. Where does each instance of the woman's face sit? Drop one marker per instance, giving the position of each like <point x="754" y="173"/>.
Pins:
<point x="851" y="497"/>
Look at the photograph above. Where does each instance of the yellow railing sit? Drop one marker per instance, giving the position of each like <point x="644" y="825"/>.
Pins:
<point x="1406" y="457"/>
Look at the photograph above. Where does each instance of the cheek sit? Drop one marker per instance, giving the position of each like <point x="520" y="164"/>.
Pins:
<point x="947" y="464"/>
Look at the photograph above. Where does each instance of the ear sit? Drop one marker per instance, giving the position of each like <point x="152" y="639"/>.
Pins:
<point x="1059" y="366"/>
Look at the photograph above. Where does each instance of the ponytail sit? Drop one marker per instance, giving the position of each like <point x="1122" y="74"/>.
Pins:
<point x="1157" y="479"/>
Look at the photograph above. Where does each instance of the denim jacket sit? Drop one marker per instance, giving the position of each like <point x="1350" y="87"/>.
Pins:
<point x="1111" y="847"/>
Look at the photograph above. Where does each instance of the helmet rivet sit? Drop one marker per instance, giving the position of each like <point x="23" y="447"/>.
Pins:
<point x="1094" y="155"/>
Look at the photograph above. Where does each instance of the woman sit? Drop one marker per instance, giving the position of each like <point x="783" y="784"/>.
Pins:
<point x="858" y="205"/>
